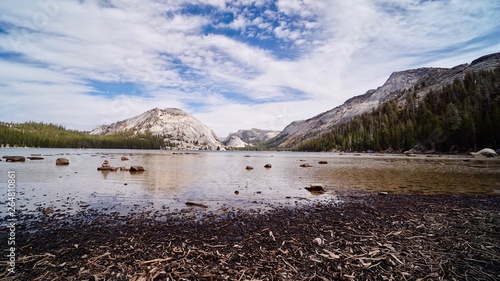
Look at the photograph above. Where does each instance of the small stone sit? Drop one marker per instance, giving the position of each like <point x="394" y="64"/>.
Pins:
<point x="318" y="241"/>
<point x="316" y="188"/>
<point x="47" y="211"/>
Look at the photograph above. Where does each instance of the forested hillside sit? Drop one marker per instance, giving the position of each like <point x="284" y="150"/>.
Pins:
<point x="462" y="116"/>
<point x="33" y="134"/>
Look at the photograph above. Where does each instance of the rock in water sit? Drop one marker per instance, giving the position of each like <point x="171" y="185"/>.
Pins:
<point x="62" y="161"/>
<point x="137" y="169"/>
<point x="268" y="166"/>
<point x="193" y="204"/>
<point x="35" y="158"/>
<point x="306" y="165"/>
<point x="124" y="158"/>
<point x="316" y="188"/>
<point x="249" y="168"/>
<point x="14" y="158"/>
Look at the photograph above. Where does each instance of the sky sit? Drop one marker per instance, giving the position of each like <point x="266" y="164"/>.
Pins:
<point x="233" y="64"/>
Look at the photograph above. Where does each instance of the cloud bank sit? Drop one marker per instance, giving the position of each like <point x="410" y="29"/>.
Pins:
<point x="232" y="64"/>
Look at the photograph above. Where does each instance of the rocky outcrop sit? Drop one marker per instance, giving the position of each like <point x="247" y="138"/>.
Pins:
<point x="253" y="136"/>
<point x="179" y="129"/>
<point x="423" y="80"/>
<point x="235" y="141"/>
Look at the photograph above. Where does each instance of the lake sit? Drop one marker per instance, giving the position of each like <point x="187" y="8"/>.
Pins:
<point x="219" y="180"/>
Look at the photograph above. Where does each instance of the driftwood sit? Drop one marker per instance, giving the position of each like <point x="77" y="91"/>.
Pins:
<point x="393" y="237"/>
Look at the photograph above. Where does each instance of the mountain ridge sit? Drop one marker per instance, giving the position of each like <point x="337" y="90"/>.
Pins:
<point x="423" y="79"/>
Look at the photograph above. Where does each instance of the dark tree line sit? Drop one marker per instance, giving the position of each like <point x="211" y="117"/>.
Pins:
<point x="34" y="134"/>
<point x="461" y="116"/>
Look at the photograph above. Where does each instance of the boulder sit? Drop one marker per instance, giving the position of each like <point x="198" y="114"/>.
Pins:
<point x="137" y="169"/>
<point x="268" y="166"/>
<point x="14" y="158"/>
<point x="62" y="161"/>
<point x="485" y="152"/>
<point x="124" y="158"/>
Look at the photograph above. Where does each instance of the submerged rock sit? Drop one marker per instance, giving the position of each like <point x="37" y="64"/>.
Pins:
<point x="35" y="158"/>
<point x="62" y="161"/>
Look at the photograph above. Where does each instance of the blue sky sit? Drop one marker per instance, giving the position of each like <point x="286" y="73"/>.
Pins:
<point x="233" y="64"/>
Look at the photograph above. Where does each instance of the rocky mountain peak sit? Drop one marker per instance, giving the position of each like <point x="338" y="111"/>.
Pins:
<point x="249" y="137"/>
<point x="179" y="129"/>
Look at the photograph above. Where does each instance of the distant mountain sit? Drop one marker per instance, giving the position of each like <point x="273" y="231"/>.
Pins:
<point x="422" y="80"/>
<point x="253" y="136"/>
<point x="179" y="129"/>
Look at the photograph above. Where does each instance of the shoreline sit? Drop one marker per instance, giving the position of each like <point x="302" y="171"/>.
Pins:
<point x="367" y="237"/>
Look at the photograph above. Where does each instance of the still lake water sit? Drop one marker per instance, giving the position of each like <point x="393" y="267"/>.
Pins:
<point x="211" y="178"/>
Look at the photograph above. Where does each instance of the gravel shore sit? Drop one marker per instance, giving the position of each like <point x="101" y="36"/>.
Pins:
<point x="366" y="237"/>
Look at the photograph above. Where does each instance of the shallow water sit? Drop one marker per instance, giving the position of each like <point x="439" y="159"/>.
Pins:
<point x="172" y="178"/>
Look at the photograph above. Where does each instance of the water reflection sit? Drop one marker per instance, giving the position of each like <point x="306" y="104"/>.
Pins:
<point x="221" y="178"/>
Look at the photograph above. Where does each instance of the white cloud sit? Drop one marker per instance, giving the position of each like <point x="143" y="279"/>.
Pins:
<point x="333" y="51"/>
